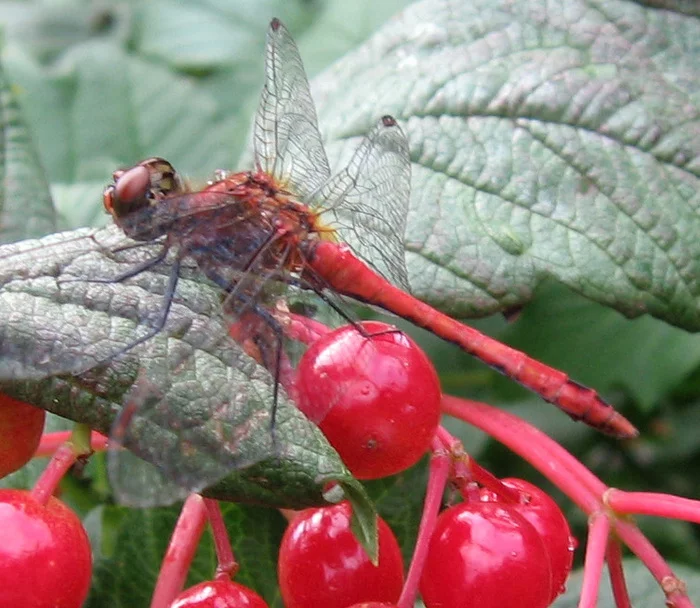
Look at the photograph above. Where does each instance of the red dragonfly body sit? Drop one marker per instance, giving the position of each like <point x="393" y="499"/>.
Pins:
<point x="291" y="225"/>
<point x="253" y="222"/>
<point x="349" y="276"/>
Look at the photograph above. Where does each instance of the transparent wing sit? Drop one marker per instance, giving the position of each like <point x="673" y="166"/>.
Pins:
<point x="197" y="407"/>
<point x="195" y="414"/>
<point x="367" y="202"/>
<point x="286" y="138"/>
<point x="55" y="321"/>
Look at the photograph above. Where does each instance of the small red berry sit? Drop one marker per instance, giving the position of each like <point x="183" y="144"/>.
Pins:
<point x="21" y="426"/>
<point x="45" y="558"/>
<point x="376" y="397"/>
<point x="218" y="594"/>
<point x="485" y="554"/>
<point x="540" y="510"/>
<point x="322" y="565"/>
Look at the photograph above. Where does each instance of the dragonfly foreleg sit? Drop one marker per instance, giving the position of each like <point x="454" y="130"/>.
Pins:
<point x="130" y="272"/>
<point x="162" y="313"/>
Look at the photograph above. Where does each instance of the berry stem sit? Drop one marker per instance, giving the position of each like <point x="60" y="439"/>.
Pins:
<point x="181" y="550"/>
<point x="476" y="471"/>
<point x="543" y="453"/>
<point x="652" y="503"/>
<point x="437" y="478"/>
<point x="50" y="442"/>
<point x="302" y="329"/>
<point x="617" y="574"/>
<point x="585" y="489"/>
<point x="64" y="457"/>
<point x="672" y="586"/>
<point x="62" y="460"/>
<point x="598" y="532"/>
<point x="227" y="566"/>
<point x="289" y="514"/>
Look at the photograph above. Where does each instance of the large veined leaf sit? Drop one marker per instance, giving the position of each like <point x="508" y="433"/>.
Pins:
<point x="61" y="342"/>
<point x="549" y="140"/>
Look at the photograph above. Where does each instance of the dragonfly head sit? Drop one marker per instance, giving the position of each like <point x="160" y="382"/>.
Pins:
<point x="139" y="188"/>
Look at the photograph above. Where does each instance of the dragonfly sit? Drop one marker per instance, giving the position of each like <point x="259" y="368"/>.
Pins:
<point x="289" y="226"/>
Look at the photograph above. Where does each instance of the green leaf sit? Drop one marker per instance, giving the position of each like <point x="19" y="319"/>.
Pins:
<point x="643" y="589"/>
<point x="48" y="29"/>
<point x="363" y="522"/>
<point x="399" y="500"/>
<point x="63" y="349"/>
<point x="150" y="111"/>
<point x="548" y="141"/>
<point x="201" y="36"/>
<point x="26" y="209"/>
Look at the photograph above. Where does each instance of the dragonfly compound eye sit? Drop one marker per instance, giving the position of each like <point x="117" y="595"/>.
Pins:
<point x="141" y="186"/>
<point x="128" y="193"/>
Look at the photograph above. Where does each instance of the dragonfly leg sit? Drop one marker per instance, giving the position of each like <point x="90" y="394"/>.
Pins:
<point x="127" y="274"/>
<point x="162" y="314"/>
<point x="268" y="334"/>
<point x="320" y="292"/>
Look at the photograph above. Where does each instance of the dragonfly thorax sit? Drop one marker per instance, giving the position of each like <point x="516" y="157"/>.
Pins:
<point x="251" y="225"/>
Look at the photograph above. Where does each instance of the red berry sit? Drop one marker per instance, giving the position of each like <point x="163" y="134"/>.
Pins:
<point x="321" y="564"/>
<point x="485" y="554"/>
<point x="218" y="594"/>
<point x="376" y="397"/>
<point x="543" y="514"/>
<point x="373" y="605"/>
<point x="21" y="426"/>
<point x="45" y="559"/>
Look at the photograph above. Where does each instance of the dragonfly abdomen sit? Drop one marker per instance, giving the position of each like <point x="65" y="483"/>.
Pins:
<point x="351" y="277"/>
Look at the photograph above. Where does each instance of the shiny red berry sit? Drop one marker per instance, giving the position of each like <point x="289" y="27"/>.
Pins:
<point x="218" y="594"/>
<point x="322" y="565"/>
<point x="376" y="397"/>
<point x="485" y="554"/>
<point x="21" y="426"/>
<point x="540" y="510"/>
<point x="45" y="558"/>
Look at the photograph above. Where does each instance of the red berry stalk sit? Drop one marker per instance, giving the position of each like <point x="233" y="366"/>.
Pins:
<point x="608" y="526"/>
<point x="221" y="591"/>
